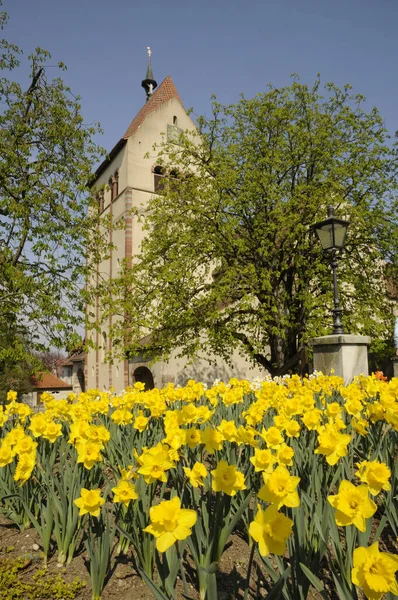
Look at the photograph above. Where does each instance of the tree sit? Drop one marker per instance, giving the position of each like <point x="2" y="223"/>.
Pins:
<point x="16" y="363"/>
<point x="48" y="222"/>
<point x="230" y="261"/>
<point x="51" y="361"/>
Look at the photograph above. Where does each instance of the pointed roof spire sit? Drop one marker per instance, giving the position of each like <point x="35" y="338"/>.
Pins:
<point x="149" y="83"/>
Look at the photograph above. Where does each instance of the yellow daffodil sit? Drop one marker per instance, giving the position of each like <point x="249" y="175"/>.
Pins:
<point x="270" y="529"/>
<point x="25" y="445"/>
<point x="375" y="474"/>
<point x="280" y="488"/>
<point x="170" y="522"/>
<point x="374" y="571"/>
<point x="124" y="492"/>
<point x="292" y="429"/>
<point x="262" y="460"/>
<point x="196" y="474"/>
<point x="227" y="479"/>
<point x="140" y="422"/>
<point x="98" y="434"/>
<point x="332" y="444"/>
<point x="155" y="462"/>
<point x="228" y="430"/>
<point x="333" y="409"/>
<point x="88" y="453"/>
<point x="284" y="455"/>
<point x="312" y="419"/>
<point x="122" y="416"/>
<point x="212" y="439"/>
<point x="25" y="466"/>
<point x="3" y="417"/>
<point x="90" y="502"/>
<point x="52" y="431"/>
<point x="359" y="425"/>
<point x="272" y="437"/>
<point x="38" y="424"/>
<point x="11" y="396"/>
<point x="247" y="435"/>
<point x="192" y="437"/>
<point x="6" y="455"/>
<point x="353" y="505"/>
<point x="176" y="437"/>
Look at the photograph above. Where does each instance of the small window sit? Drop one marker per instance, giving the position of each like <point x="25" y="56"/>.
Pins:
<point x="116" y="185"/>
<point x="174" y="120"/>
<point x="100" y="201"/>
<point x="111" y="188"/>
<point x="158" y="176"/>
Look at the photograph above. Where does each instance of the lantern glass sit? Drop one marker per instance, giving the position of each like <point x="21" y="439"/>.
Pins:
<point x="331" y="232"/>
<point x="332" y="235"/>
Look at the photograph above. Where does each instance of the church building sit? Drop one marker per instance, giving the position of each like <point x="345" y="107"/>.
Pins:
<point x="129" y="180"/>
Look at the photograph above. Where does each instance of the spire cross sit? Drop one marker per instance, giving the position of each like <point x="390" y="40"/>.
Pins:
<point x="148" y="49"/>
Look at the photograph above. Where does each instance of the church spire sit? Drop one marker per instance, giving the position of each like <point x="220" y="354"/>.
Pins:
<point x="149" y="83"/>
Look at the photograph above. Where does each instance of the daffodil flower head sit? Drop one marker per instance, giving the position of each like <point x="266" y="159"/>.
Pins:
<point x="227" y="479"/>
<point x="124" y="492"/>
<point x="280" y="488"/>
<point x="374" y="571"/>
<point x="196" y="474"/>
<point x="375" y="474"/>
<point x="332" y="444"/>
<point x="90" y="502"/>
<point x="262" y="460"/>
<point x="170" y="522"/>
<point x="270" y="529"/>
<point x="353" y="505"/>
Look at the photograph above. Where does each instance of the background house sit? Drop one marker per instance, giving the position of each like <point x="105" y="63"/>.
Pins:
<point x="46" y="382"/>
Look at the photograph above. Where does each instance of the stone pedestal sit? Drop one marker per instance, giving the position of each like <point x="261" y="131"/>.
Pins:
<point x="346" y="354"/>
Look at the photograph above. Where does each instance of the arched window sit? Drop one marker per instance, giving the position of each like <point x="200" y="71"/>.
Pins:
<point x="115" y="184"/>
<point x="175" y="120"/>
<point x="158" y="176"/>
<point x="100" y="201"/>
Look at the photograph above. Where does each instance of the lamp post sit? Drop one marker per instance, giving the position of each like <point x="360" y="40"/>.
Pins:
<point x="332" y="233"/>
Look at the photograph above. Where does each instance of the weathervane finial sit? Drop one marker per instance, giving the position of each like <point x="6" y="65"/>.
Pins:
<point x="149" y="83"/>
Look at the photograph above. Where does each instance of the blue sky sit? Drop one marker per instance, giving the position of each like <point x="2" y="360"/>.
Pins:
<point x="210" y="47"/>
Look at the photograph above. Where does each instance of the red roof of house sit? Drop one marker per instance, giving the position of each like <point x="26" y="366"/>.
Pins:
<point x="165" y="92"/>
<point x="48" y="381"/>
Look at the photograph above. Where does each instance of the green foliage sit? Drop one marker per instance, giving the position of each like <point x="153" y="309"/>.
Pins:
<point x="47" y="219"/>
<point x="230" y="261"/>
<point x="14" y="584"/>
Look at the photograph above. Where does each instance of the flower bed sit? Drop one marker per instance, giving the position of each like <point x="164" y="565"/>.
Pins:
<point x="304" y="470"/>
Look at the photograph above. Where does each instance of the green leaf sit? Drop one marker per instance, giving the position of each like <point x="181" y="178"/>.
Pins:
<point x="313" y="579"/>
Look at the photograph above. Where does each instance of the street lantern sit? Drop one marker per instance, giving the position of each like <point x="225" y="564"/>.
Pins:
<point x="332" y="233"/>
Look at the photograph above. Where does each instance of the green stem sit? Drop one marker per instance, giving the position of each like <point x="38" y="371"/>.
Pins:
<point x="184" y="581"/>
<point x="249" y="571"/>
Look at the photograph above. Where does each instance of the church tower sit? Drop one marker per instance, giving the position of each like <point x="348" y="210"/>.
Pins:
<point x="129" y="180"/>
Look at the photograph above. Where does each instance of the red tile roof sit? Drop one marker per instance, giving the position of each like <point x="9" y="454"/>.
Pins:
<point x="165" y="92"/>
<point x="48" y="381"/>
